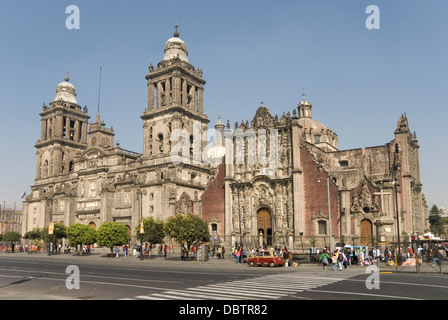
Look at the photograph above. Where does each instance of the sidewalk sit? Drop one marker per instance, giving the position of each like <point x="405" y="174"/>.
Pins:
<point x="173" y="259"/>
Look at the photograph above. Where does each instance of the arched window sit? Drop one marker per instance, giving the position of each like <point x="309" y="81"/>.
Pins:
<point x="322" y="227"/>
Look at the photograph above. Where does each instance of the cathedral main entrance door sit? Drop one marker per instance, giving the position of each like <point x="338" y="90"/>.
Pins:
<point x="264" y="225"/>
<point x="366" y="232"/>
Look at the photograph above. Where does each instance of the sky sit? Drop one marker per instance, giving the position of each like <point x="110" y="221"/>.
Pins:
<point x="359" y="80"/>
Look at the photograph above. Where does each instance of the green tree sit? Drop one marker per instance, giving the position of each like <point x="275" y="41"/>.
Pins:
<point x="187" y="229"/>
<point x="35" y="234"/>
<point x="12" y="236"/>
<point x="436" y="221"/>
<point x="111" y="234"/>
<point x="79" y="234"/>
<point x="154" y="230"/>
<point x="59" y="232"/>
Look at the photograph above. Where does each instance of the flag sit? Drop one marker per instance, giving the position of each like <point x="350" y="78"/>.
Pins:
<point x="24" y="194"/>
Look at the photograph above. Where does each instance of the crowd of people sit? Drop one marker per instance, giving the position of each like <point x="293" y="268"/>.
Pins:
<point x="341" y="258"/>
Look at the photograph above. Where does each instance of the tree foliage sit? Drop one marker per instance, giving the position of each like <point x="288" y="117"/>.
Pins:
<point x="59" y="232"/>
<point x="436" y="221"/>
<point x="79" y="234"/>
<point x="187" y="229"/>
<point x="111" y="234"/>
<point x="11" y="236"/>
<point x="35" y="234"/>
<point x="154" y="230"/>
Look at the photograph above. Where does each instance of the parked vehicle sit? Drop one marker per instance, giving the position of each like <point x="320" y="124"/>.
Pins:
<point x="266" y="258"/>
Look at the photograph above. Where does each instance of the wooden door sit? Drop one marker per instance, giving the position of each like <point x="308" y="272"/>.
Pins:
<point x="264" y="224"/>
<point x="366" y="232"/>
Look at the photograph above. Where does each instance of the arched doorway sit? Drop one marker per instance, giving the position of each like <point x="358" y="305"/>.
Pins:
<point x="366" y="232"/>
<point x="264" y="225"/>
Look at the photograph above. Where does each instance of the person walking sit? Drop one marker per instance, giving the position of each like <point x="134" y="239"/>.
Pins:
<point x="238" y="254"/>
<point x="285" y="256"/>
<point x="334" y="260"/>
<point x="341" y="258"/>
<point x="324" y="258"/>
<point x="223" y="250"/>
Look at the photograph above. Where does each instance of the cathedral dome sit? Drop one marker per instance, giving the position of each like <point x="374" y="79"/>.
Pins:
<point x="176" y="48"/>
<point x="66" y="92"/>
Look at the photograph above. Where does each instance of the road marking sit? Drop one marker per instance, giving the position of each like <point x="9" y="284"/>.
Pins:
<point x="260" y="288"/>
<point x="364" y="294"/>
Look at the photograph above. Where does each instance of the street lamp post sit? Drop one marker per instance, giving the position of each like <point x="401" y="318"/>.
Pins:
<point x="141" y="193"/>
<point x="329" y="213"/>
<point x="238" y="187"/>
<point x="395" y="184"/>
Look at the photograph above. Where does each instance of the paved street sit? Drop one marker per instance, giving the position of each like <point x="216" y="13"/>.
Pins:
<point x="40" y="277"/>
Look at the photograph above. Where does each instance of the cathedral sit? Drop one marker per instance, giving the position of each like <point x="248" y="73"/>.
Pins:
<point x="273" y="180"/>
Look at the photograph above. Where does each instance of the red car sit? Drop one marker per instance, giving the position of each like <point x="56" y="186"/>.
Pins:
<point x="266" y="258"/>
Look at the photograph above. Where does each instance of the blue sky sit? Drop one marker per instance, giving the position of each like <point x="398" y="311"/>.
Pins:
<point x="359" y="81"/>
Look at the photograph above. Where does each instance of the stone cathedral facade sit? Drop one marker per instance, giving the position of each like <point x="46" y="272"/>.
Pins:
<point x="263" y="182"/>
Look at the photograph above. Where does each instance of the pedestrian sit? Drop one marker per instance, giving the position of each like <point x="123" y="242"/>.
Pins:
<point x="117" y="251"/>
<point x="223" y="250"/>
<point x="341" y="258"/>
<point x="218" y="252"/>
<point x="346" y="259"/>
<point x="165" y="251"/>
<point x="182" y="255"/>
<point x="324" y="259"/>
<point x="423" y="253"/>
<point x="285" y="256"/>
<point x="238" y="254"/>
<point x="334" y="260"/>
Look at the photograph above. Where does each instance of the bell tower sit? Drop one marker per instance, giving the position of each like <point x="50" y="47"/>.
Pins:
<point x="63" y="133"/>
<point x="175" y="101"/>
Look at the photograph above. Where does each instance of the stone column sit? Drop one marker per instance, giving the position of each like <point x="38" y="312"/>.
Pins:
<point x="150" y="96"/>
<point x="76" y="138"/>
<point x="84" y="132"/>
<point x="159" y="95"/>
<point x="200" y="91"/>
<point x="176" y="88"/>
<point x="43" y="130"/>
<point x="58" y="126"/>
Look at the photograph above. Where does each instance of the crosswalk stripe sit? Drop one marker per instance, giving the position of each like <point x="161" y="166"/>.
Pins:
<point x="234" y="291"/>
<point x="260" y="288"/>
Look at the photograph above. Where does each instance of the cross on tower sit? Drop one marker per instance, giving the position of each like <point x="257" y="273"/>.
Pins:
<point x="176" y="33"/>
<point x="303" y="95"/>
